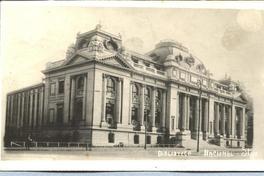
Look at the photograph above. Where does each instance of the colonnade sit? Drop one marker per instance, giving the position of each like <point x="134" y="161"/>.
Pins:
<point x="25" y="109"/>
<point x="225" y="121"/>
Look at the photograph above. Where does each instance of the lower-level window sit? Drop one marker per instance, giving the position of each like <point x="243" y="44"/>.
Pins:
<point x="159" y="139"/>
<point x="60" y="114"/>
<point x="51" y="116"/>
<point x="136" y="139"/>
<point x="111" y="138"/>
<point x="148" y="139"/>
<point x="78" y="111"/>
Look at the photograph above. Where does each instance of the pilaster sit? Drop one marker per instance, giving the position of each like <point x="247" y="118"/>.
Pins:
<point x="217" y="119"/>
<point x="72" y="98"/>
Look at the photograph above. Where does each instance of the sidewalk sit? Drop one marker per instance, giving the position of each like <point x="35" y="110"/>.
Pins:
<point x="124" y="153"/>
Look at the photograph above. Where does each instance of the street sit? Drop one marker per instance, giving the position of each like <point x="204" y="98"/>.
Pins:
<point x="125" y="153"/>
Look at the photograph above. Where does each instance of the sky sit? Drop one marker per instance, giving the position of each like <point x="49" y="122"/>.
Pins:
<point x="226" y="41"/>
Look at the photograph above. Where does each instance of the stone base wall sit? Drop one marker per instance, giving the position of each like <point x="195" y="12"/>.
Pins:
<point x="101" y="138"/>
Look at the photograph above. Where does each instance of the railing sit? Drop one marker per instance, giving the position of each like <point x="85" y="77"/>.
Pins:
<point x="150" y="69"/>
<point x="160" y="72"/>
<point x="35" y="144"/>
<point x="137" y="65"/>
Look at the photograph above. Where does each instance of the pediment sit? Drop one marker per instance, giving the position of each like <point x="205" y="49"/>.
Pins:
<point x="76" y="59"/>
<point x="113" y="61"/>
<point x="116" y="61"/>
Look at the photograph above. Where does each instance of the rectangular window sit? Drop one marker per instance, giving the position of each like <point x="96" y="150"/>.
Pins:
<point x="60" y="113"/>
<point x="148" y="139"/>
<point x="61" y="87"/>
<point x="193" y="79"/>
<point x="51" y="116"/>
<point x="52" y="89"/>
<point x="182" y="76"/>
<point x="204" y="82"/>
<point x="111" y="138"/>
<point x="136" y="139"/>
<point x="78" y="110"/>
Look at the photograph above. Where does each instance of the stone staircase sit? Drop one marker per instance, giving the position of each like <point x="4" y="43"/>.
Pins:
<point x="192" y="144"/>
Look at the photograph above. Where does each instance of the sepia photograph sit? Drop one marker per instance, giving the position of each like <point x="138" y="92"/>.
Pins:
<point x="129" y="83"/>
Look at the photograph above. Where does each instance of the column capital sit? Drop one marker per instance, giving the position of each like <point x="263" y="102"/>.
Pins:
<point x="105" y="75"/>
<point x="119" y="79"/>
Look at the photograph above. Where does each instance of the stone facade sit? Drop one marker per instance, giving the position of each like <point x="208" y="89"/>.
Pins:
<point x="104" y="95"/>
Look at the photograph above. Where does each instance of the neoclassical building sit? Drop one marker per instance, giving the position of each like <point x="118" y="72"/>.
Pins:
<point x="105" y="94"/>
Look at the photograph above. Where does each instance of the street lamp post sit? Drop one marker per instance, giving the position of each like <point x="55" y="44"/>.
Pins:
<point x="146" y="126"/>
<point x="199" y="116"/>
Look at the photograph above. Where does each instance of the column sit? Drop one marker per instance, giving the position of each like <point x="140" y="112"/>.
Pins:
<point x="205" y="121"/>
<point x="12" y="110"/>
<point x="18" y="111"/>
<point x="7" y="111"/>
<point x="233" y="121"/>
<point x="130" y="102"/>
<point x="35" y="116"/>
<point x="119" y="100"/>
<point x="183" y="115"/>
<point x="22" y="109"/>
<point x="153" y="106"/>
<point x="196" y="119"/>
<point x="223" y="116"/>
<point x="72" y="98"/>
<point x="211" y="116"/>
<point x="67" y="98"/>
<point x="84" y="97"/>
<point x="216" y="120"/>
<point x="242" y="123"/>
<point x="40" y="107"/>
<point x="187" y="112"/>
<point x="31" y="109"/>
<point x="142" y="104"/>
<point x="164" y="108"/>
<point x="229" y="126"/>
<point x="104" y="97"/>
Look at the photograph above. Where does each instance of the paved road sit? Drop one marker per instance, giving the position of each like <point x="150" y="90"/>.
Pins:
<point x="126" y="153"/>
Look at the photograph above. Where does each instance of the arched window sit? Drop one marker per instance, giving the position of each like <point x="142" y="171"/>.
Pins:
<point x="135" y="90"/>
<point x="147" y="96"/>
<point x="158" y="95"/>
<point x="134" y="113"/>
<point x="158" y="98"/>
<point x="110" y="85"/>
<point x="80" y="82"/>
<point x="147" y="92"/>
<point x="82" y="44"/>
<point x="109" y="112"/>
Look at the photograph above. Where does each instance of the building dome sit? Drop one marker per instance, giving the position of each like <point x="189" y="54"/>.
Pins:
<point x="171" y="43"/>
<point x="173" y="51"/>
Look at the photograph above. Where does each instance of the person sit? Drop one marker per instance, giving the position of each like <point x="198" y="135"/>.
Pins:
<point x="28" y="142"/>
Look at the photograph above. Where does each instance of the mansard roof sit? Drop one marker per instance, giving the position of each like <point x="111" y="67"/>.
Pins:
<point x="104" y="48"/>
<point x="170" y="51"/>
